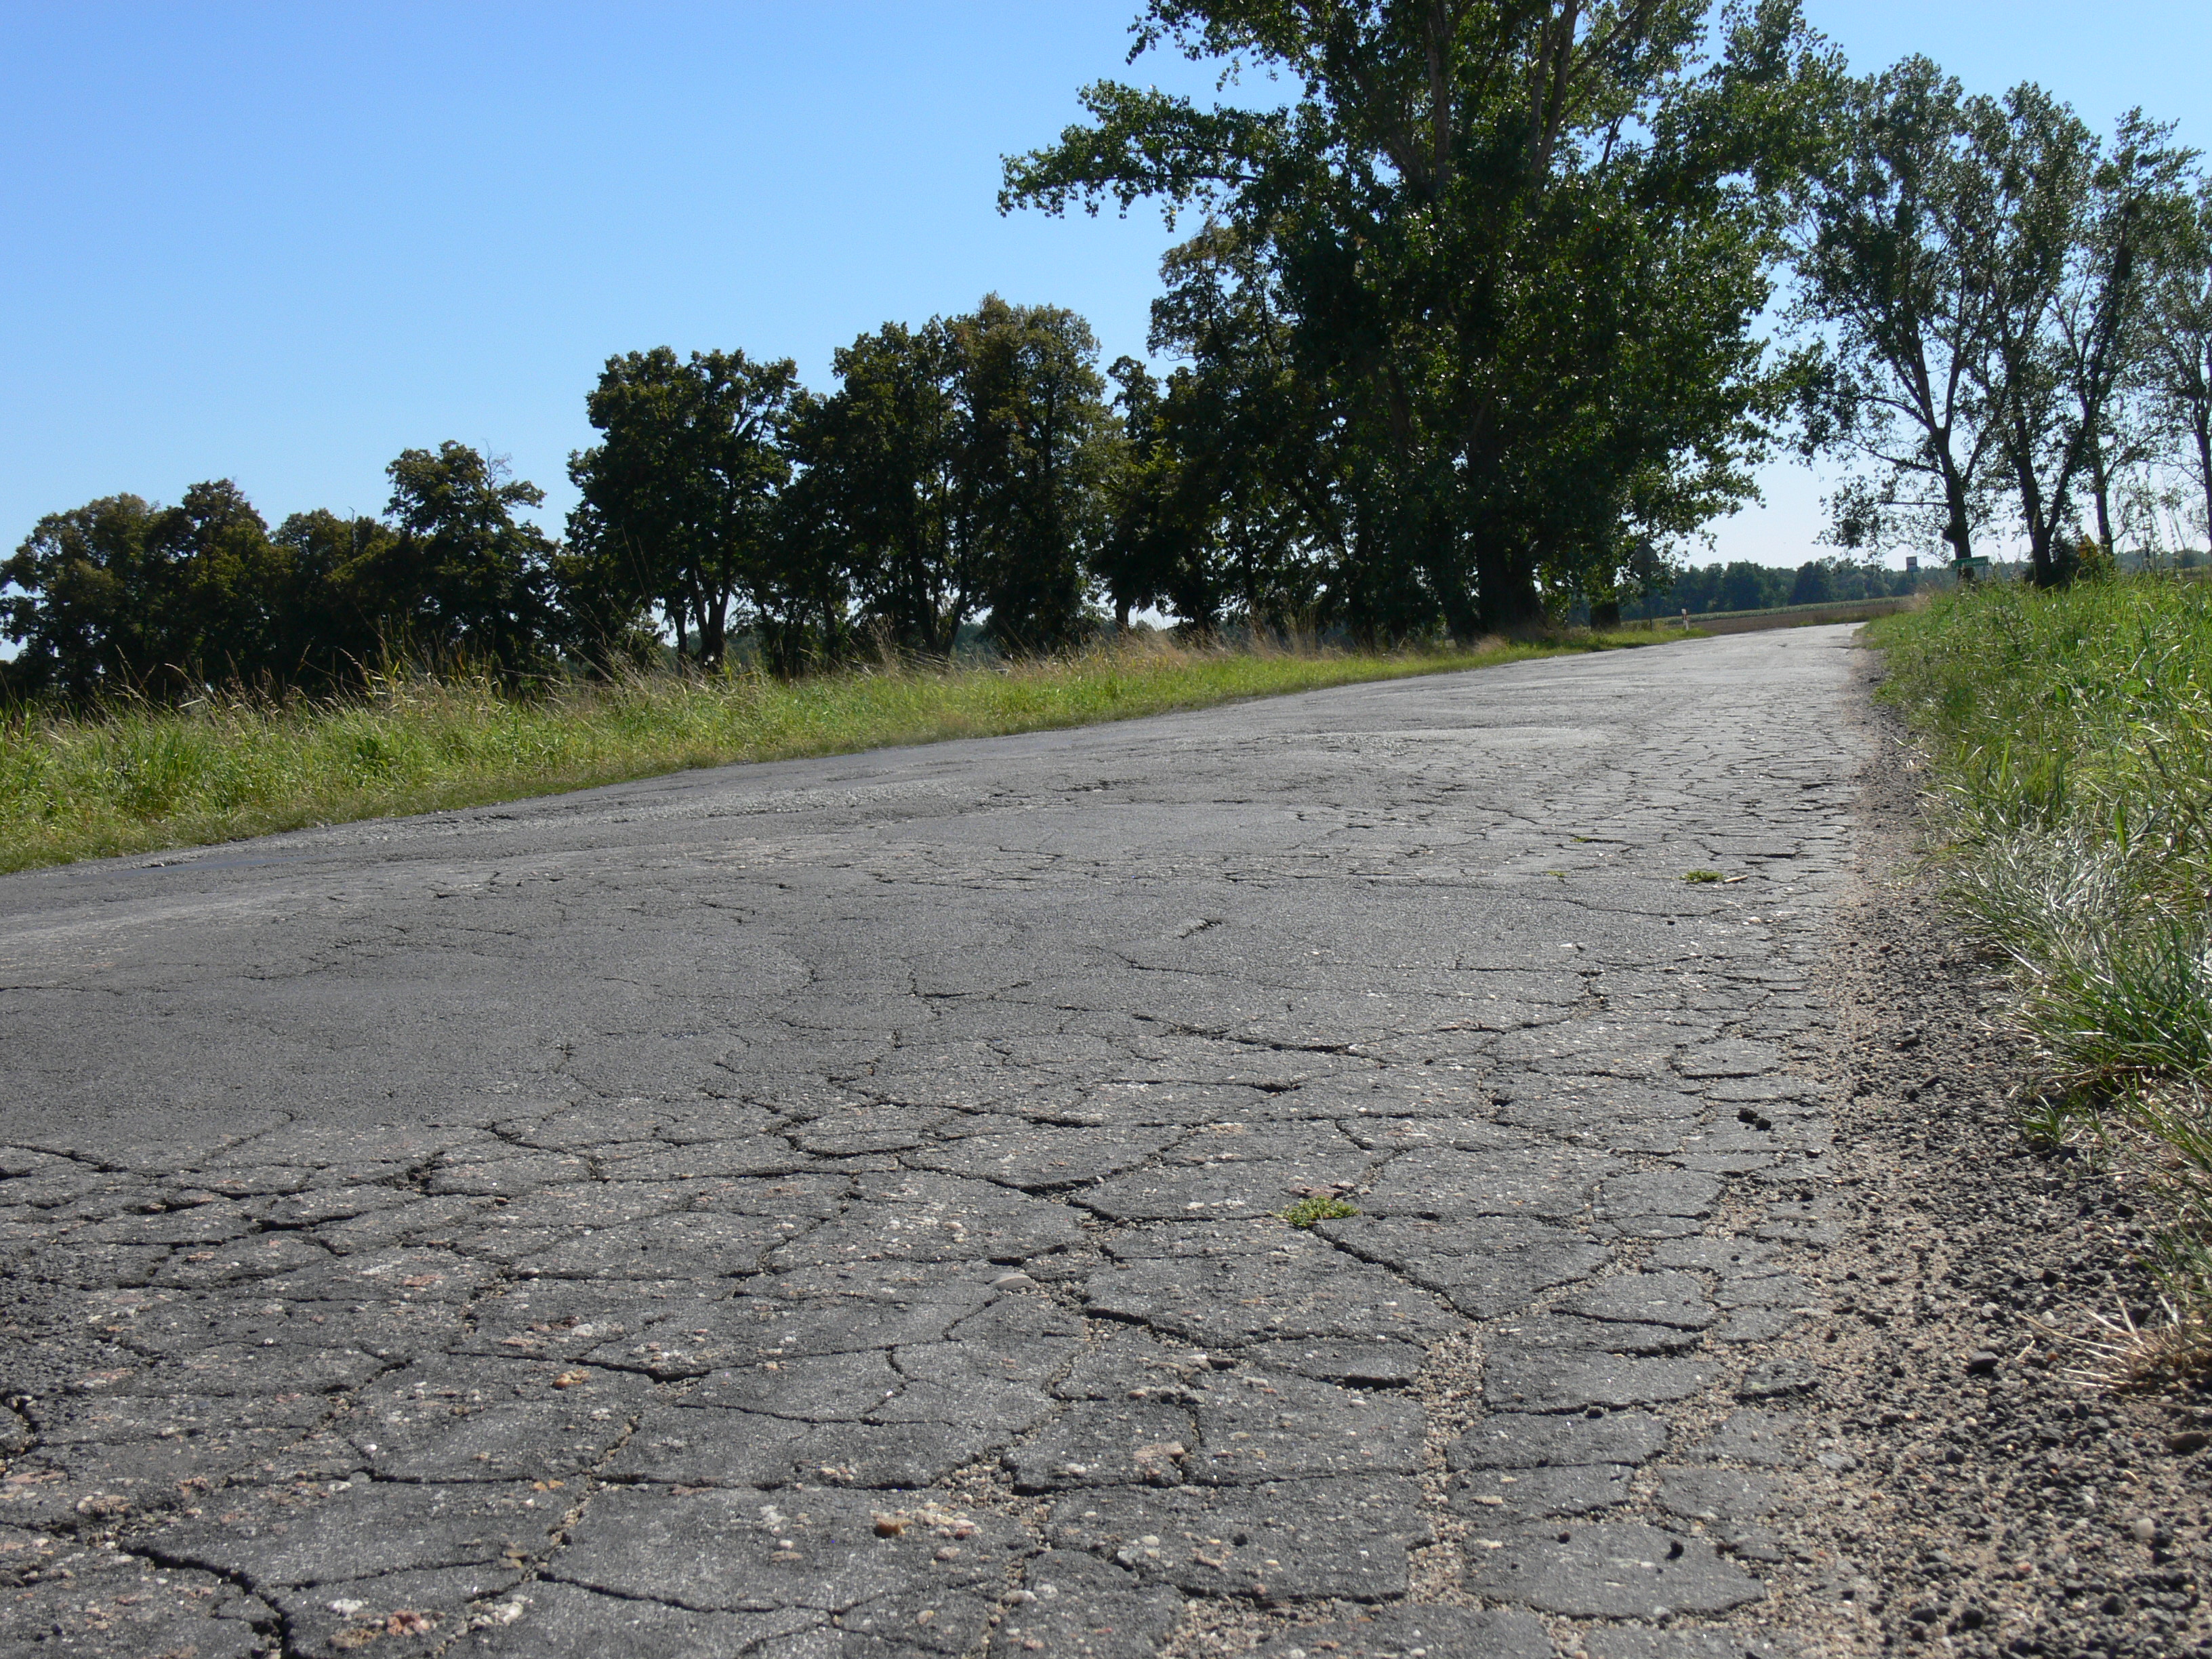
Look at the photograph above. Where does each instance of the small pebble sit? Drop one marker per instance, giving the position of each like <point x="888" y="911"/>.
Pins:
<point x="2145" y="1529"/>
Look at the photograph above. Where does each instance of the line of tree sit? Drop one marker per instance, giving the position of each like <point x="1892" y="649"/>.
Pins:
<point x="1740" y="584"/>
<point x="2013" y="325"/>
<point x="1465" y="334"/>
<point x="121" y="595"/>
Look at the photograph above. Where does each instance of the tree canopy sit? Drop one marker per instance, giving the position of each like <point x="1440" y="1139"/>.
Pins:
<point x="1978" y="272"/>
<point x="1513" y="255"/>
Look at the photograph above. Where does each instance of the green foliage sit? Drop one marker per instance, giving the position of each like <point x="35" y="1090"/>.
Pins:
<point x="2052" y="1121"/>
<point x="121" y="598"/>
<point x="1492" y="275"/>
<point x="122" y="594"/>
<point x="1317" y="1208"/>
<point x="680" y="506"/>
<point x="2177" y="356"/>
<point x="963" y="468"/>
<point x="1699" y="876"/>
<point x="464" y="579"/>
<point x="1740" y="584"/>
<point x="1978" y="276"/>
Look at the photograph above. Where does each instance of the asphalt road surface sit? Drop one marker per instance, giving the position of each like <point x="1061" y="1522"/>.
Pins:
<point x="830" y="1207"/>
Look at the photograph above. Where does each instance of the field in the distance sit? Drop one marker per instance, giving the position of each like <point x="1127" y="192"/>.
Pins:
<point x="135" y="778"/>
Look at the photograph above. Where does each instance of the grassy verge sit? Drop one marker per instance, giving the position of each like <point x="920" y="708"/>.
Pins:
<point x="135" y="779"/>
<point x="2071" y="738"/>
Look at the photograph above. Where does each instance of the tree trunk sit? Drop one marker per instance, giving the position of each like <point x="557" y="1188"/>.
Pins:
<point x="1462" y="616"/>
<point x="2204" y="464"/>
<point x="1506" y="591"/>
<point x="1957" y="529"/>
<point x="2100" y="486"/>
<point x="714" y="628"/>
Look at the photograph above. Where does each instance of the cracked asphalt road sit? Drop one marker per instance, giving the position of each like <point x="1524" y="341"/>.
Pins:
<point x="829" y="1207"/>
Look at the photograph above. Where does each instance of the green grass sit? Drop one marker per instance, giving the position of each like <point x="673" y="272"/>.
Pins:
<point x="133" y="779"/>
<point x="2070" y="735"/>
<point x="1308" y="1211"/>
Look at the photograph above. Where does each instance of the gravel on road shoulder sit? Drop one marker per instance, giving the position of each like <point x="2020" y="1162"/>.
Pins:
<point x="1970" y="1493"/>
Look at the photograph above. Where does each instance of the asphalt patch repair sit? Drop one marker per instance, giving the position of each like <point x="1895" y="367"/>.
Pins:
<point x="864" y="1273"/>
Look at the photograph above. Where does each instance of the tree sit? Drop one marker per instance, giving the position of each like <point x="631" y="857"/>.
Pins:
<point x="340" y="622"/>
<point x="1256" y="510"/>
<point x="2104" y="324"/>
<point x="1143" y="536"/>
<point x="881" y="457"/>
<point x="1889" y="278"/>
<point x="120" y="594"/>
<point x="2179" y="351"/>
<point x="967" y="465"/>
<point x="679" y="504"/>
<point x="1517" y="251"/>
<point x="2030" y="161"/>
<point x="1978" y="267"/>
<point x="1033" y="462"/>
<point x="464" y="580"/>
<point x="82" y="613"/>
<point x="1815" y="583"/>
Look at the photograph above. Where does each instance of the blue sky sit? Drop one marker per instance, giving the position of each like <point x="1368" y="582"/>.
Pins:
<point x="282" y="242"/>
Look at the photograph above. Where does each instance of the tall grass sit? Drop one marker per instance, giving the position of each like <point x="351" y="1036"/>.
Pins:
<point x="134" y="777"/>
<point x="2071" y="737"/>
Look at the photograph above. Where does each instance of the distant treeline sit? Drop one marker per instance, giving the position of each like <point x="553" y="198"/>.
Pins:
<point x="1740" y="584"/>
<point x="1465" y="337"/>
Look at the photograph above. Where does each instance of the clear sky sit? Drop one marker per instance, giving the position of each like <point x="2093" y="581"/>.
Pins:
<point x="282" y="242"/>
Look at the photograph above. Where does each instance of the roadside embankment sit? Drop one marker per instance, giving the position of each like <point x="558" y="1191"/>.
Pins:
<point x="1983" y="1489"/>
<point x="2069" y="737"/>
<point x="1786" y="616"/>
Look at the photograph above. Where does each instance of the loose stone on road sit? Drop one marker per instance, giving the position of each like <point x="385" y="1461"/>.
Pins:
<point x="833" y="1207"/>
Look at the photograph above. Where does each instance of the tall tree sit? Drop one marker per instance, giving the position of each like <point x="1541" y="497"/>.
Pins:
<point x="464" y="580"/>
<point x="1259" y="505"/>
<point x="1036" y="436"/>
<point x="1143" y="535"/>
<point x="1889" y="280"/>
<point x="881" y="456"/>
<point x="2178" y="353"/>
<point x="2136" y="202"/>
<point x="678" y="505"/>
<point x="2030" y="162"/>
<point x="123" y="595"/>
<point x="1480" y="218"/>
<point x="967" y="463"/>
<point x="344" y="619"/>
<point x="84" y="611"/>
